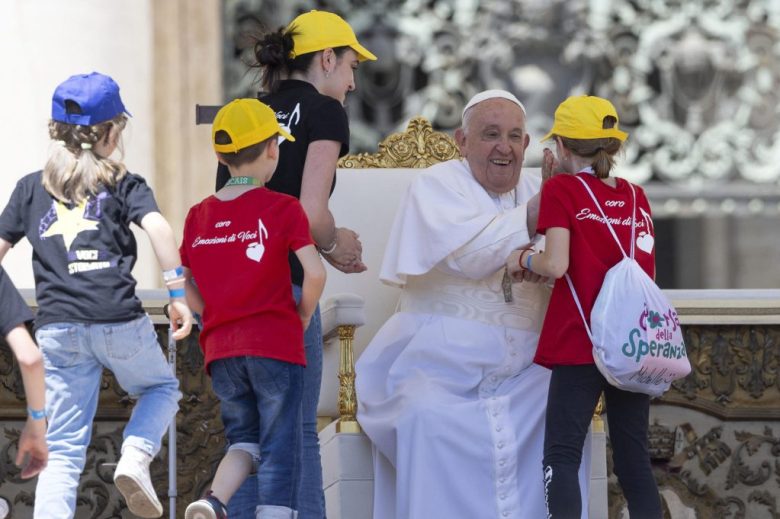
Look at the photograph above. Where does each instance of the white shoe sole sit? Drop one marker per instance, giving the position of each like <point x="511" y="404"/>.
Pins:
<point x="199" y="511"/>
<point x="138" y="499"/>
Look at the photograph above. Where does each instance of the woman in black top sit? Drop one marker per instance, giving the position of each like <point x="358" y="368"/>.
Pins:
<point x="307" y="70"/>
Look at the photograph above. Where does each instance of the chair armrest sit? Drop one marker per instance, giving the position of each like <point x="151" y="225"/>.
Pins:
<point x="341" y="309"/>
<point x="341" y="315"/>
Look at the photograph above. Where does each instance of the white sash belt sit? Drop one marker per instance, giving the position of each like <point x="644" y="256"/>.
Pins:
<point x="477" y="300"/>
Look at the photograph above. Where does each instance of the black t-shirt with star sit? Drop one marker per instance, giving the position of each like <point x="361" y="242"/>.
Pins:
<point x="13" y="309"/>
<point x="309" y="116"/>
<point x="83" y="255"/>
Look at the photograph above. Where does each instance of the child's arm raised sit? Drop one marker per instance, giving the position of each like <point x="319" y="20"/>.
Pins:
<point x="313" y="282"/>
<point x="164" y="245"/>
<point x="32" y="450"/>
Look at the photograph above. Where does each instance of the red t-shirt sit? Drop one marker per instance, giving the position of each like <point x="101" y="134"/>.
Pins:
<point x="592" y="252"/>
<point x="238" y="251"/>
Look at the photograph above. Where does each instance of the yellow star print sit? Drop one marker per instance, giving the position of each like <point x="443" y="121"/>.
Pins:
<point x="70" y="222"/>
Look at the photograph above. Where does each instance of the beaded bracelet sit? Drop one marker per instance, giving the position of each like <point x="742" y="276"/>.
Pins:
<point x="330" y="249"/>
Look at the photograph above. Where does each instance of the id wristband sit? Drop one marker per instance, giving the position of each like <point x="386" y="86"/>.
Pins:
<point x="170" y="275"/>
<point x="528" y="261"/>
<point x="177" y="292"/>
<point x="36" y="414"/>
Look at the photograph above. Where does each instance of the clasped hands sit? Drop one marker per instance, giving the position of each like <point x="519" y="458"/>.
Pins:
<point x="348" y="256"/>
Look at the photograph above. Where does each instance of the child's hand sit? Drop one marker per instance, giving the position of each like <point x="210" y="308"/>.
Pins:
<point x="305" y="319"/>
<point x="348" y="256"/>
<point x="181" y="318"/>
<point x="518" y="273"/>
<point x="305" y="323"/>
<point x="32" y="453"/>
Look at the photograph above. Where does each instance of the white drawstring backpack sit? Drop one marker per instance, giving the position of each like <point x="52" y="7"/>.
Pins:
<point x="637" y="341"/>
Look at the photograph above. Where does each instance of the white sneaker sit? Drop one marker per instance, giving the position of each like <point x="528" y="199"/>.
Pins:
<point x="133" y="481"/>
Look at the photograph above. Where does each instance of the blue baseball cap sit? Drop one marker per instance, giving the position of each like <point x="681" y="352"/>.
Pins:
<point x="87" y="99"/>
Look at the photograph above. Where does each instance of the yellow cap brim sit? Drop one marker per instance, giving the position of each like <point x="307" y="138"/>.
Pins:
<point x="363" y="53"/>
<point x="286" y="134"/>
<point x="236" y="147"/>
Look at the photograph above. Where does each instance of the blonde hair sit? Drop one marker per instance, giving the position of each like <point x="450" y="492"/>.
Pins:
<point x="74" y="171"/>
<point x="601" y="151"/>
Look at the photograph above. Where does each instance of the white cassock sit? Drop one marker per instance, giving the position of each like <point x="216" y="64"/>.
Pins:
<point x="447" y="389"/>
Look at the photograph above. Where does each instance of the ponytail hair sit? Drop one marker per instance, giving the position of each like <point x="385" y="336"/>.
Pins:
<point x="601" y="151"/>
<point x="73" y="170"/>
<point x="274" y="54"/>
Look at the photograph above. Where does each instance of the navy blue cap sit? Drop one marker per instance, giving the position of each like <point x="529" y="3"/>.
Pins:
<point x="87" y="99"/>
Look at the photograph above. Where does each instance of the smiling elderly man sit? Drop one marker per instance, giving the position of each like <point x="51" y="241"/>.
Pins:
<point x="447" y="389"/>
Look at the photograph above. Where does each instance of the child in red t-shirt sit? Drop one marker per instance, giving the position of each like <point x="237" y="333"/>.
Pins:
<point x="236" y="245"/>
<point x="578" y="241"/>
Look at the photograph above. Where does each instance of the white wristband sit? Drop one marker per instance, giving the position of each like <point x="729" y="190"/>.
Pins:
<point x="170" y="275"/>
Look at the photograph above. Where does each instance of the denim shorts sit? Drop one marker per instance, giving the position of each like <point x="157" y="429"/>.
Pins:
<point x="259" y="398"/>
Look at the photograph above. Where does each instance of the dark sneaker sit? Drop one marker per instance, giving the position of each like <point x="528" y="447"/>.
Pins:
<point x="207" y="507"/>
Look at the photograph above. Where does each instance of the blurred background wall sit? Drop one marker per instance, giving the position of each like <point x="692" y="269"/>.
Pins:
<point x="695" y="83"/>
<point x="164" y="54"/>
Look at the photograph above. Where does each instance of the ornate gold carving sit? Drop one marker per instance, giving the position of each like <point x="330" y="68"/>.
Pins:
<point x="731" y="311"/>
<point x="734" y="372"/>
<point x="347" y="395"/>
<point x="419" y="146"/>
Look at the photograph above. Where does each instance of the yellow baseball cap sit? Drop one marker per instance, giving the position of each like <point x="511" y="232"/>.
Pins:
<point x="582" y="117"/>
<point x="318" y="30"/>
<point x="247" y="122"/>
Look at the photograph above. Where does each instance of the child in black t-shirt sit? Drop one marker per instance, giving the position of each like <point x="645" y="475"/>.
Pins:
<point x="32" y="453"/>
<point x="308" y="68"/>
<point x="76" y="214"/>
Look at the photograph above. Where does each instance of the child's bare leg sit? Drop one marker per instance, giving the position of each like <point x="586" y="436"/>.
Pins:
<point x="234" y="468"/>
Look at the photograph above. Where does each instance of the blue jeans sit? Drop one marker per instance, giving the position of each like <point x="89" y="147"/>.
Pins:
<point x="260" y="400"/>
<point x="311" y="499"/>
<point x="74" y="356"/>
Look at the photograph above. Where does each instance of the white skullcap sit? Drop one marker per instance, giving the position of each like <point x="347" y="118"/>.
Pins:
<point x="492" y="94"/>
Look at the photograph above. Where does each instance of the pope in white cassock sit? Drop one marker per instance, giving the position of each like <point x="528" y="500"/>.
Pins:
<point x="447" y="389"/>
